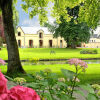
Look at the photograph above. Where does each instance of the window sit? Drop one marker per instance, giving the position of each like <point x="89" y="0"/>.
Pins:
<point x="40" y="35"/>
<point x="19" y="33"/>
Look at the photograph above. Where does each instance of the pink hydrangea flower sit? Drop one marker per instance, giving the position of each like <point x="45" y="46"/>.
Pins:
<point x="2" y="62"/>
<point x="3" y="84"/>
<point x="4" y="96"/>
<point x="77" y="62"/>
<point x="23" y="93"/>
<point x="17" y="92"/>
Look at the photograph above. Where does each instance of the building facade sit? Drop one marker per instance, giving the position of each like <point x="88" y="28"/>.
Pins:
<point x="38" y="37"/>
<point x="94" y="42"/>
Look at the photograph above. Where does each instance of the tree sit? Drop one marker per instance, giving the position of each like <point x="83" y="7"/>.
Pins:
<point x="90" y="9"/>
<point x="14" y="64"/>
<point x="74" y="34"/>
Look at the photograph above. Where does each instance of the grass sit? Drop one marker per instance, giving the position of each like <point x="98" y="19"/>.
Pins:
<point x="92" y="74"/>
<point x="44" y="53"/>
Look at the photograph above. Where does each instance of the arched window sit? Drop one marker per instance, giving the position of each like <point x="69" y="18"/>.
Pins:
<point x="19" y="33"/>
<point x="40" y="35"/>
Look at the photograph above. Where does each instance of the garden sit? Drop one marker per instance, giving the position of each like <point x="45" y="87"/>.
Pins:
<point x="56" y="73"/>
<point x="70" y="73"/>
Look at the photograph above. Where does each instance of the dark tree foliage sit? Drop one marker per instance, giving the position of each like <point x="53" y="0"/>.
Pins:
<point x="73" y="32"/>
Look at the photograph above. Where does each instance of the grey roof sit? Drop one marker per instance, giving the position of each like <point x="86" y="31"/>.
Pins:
<point x="94" y="36"/>
<point x="34" y="30"/>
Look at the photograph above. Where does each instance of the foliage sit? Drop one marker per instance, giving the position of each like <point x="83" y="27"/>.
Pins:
<point x="96" y="87"/>
<point x="39" y="7"/>
<point x="72" y="31"/>
<point x="25" y="92"/>
<point x="90" y="9"/>
<point x="33" y="60"/>
<point x="19" y="80"/>
<point x="15" y="15"/>
<point x="49" y="86"/>
<point x="89" y="51"/>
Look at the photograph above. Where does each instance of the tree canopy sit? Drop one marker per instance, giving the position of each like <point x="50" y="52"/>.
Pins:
<point x="74" y="34"/>
<point x="89" y="11"/>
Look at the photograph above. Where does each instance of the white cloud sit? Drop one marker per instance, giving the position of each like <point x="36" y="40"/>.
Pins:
<point x="51" y="19"/>
<point x="30" y="22"/>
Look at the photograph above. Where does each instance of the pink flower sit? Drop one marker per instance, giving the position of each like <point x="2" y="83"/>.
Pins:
<point x="17" y="92"/>
<point x="4" y="96"/>
<point x="2" y="62"/>
<point x="23" y="93"/>
<point x="77" y="62"/>
<point x="3" y="84"/>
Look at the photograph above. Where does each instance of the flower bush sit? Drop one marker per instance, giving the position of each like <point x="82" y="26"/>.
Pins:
<point x="19" y="80"/>
<point x="50" y="86"/>
<point x="17" y="92"/>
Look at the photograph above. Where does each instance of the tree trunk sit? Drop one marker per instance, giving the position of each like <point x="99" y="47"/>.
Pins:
<point x="73" y="46"/>
<point x="68" y="43"/>
<point x="14" y="64"/>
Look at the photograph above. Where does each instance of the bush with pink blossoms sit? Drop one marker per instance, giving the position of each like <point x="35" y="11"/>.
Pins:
<point x="48" y="85"/>
<point x="79" y="64"/>
<point x="2" y="62"/>
<point x="17" y="92"/>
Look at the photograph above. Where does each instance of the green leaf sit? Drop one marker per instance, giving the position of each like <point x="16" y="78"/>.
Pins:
<point x="66" y="97"/>
<point x="61" y="84"/>
<point x="9" y="78"/>
<point x="32" y="85"/>
<point x="67" y="73"/>
<point x="80" y="92"/>
<point x="48" y="96"/>
<point x="87" y="87"/>
<point x="92" y="97"/>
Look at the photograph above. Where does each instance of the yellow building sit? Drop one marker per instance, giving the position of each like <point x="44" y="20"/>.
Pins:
<point x="38" y="37"/>
<point x="94" y="42"/>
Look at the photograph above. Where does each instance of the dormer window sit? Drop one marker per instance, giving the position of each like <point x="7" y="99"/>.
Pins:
<point x="19" y="33"/>
<point x="40" y="35"/>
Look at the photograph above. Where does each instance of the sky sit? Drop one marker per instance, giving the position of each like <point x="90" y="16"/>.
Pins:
<point x="24" y="19"/>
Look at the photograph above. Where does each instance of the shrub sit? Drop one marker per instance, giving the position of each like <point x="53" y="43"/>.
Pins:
<point x="89" y="51"/>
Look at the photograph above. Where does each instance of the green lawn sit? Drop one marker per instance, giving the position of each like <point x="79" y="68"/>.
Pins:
<point x="44" y="53"/>
<point x="92" y="74"/>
